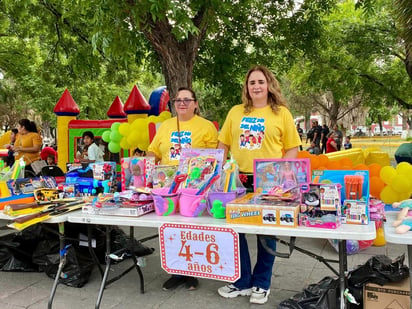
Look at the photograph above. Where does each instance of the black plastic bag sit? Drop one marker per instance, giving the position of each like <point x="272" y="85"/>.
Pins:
<point x="321" y="295"/>
<point x="76" y="271"/>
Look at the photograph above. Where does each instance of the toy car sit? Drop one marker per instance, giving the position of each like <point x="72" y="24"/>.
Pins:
<point x="287" y="218"/>
<point x="269" y="217"/>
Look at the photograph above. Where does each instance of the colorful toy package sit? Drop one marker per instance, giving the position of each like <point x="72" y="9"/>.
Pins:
<point x="201" y="165"/>
<point x="354" y="192"/>
<point x="284" y="174"/>
<point x="104" y="170"/>
<point x="320" y="205"/>
<point x="163" y="175"/>
<point x="137" y="172"/>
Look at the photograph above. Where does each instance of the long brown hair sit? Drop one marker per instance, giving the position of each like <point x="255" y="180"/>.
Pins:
<point x="275" y="97"/>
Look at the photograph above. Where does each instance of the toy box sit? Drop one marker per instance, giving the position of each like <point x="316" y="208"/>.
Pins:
<point x="320" y="205"/>
<point x="354" y="192"/>
<point x="254" y="209"/>
<point x="163" y="175"/>
<point x="129" y="209"/>
<point x="137" y="172"/>
<point x="104" y="170"/>
<point x="280" y="173"/>
<point x="390" y="295"/>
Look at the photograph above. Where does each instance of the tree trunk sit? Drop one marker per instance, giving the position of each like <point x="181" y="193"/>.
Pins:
<point x="177" y="58"/>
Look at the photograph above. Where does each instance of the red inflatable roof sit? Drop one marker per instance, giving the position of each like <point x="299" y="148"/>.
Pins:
<point x="116" y="109"/>
<point x="66" y="105"/>
<point x="136" y="103"/>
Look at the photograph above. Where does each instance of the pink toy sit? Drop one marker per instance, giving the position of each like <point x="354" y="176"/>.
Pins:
<point x="403" y="223"/>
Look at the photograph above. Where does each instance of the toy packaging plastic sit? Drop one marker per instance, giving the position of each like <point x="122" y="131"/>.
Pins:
<point x="354" y="192"/>
<point x="137" y="172"/>
<point x="253" y="209"/>
<point x="280" y="174"/>
<point x="320" y="206"/>
<point x="163" y="175"/>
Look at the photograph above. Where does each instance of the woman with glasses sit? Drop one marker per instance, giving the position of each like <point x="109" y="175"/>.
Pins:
<point x="262" y="114"/>
<point x="186" y="130"/>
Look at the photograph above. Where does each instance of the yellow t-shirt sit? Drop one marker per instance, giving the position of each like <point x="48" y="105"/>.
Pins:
<point x="28" y="140"/>
<point x="194" y="133"/>
<point x="261" y="134"/>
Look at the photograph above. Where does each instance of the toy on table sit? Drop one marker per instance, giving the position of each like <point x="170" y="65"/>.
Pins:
<point x="403" y="222"/>
<point x="179" y="178"/>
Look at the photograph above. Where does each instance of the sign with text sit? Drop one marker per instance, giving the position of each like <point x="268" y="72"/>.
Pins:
<point x="210" y="252"/>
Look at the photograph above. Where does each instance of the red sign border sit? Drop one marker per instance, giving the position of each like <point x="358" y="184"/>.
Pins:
<point x="199" y="274"/>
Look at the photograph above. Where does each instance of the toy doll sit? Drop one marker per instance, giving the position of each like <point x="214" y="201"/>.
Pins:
<point x="288" y="177"/>
<point x="404" y="222"/>
<point x="138" y="174"/>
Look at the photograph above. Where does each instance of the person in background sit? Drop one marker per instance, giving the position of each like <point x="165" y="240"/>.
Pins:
<point x="10" y="154"/>
<point x="262" y="103"/>
<point x="28" y="144"/>
<point x="94" y="153"/>
<point x="338" y="136"/>
<point x="314" y="149"/>
<point x="51" y="160"/>
<point x="324" y="138"/>
<point x="347" y="144"/>
<point x="331" y="145"/>
<point x="139" y="153"/>
<point x="300" y="132"/>
<point x="197" y="132"/>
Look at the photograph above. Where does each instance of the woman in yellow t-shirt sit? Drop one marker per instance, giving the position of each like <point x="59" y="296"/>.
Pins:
<point x="28" y="143"/>
<point x="260" y="128"/>
<point x="186" y="130"/>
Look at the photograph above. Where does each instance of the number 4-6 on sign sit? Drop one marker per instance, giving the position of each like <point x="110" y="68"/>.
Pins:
<point x="201" y="251"/>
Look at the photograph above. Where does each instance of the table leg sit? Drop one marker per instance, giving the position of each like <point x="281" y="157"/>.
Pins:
<point x="106" y="271"/>
<point x="139" y="271"/>
<point x="410" y="272"/>
<point x="343" y="267"/>
<point x="62" y="262"/>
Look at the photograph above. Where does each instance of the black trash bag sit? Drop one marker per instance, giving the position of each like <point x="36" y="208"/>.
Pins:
<point x="121" y="240"/>
<point x="46" y="248"/>
<point x="379" y="269"/>
<point x="321" y="295"/>
<point x="76" y="271"/>
<point x="16" y="250"/>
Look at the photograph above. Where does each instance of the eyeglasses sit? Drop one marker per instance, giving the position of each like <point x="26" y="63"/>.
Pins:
<point x="184" y="101"/>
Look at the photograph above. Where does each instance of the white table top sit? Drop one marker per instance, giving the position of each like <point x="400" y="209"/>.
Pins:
<point x="345" y="231"/>
<point x="390" y="234"/>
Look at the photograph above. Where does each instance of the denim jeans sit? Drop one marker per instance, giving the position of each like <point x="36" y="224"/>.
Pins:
<point x="262" y="272"/>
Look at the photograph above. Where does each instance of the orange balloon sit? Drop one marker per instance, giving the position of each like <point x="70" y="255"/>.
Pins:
<point x="346" y="162"/>
<point x="374" y="169"/>
<point x="361" y="166"/>
<point x="323" y="160"/>
<point x="303" y="154"/>
<point x="314" y="162"/>
<point x="376" y="185"/>
<point x="333" y="165"/>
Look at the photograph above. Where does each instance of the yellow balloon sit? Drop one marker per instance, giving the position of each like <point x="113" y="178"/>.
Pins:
<point x="404" y="196"/>
<point x="151" y="119"/>
<point x="400" y="183"/>
<point x="404" y="168"/>
<point x="124" y="144"/>
<point x="124" y="129"/>
<point x="165" y="115"/>
<point x="388" y="195"/>
<point x="387" y="173"/>
<point x="143" y="145"/>
<point x="132" y="139"/>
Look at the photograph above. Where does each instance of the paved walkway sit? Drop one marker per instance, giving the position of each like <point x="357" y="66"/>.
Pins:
<point x="31" y="290"/>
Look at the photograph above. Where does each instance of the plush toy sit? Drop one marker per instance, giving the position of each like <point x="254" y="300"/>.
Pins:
<point x="403" y="222"/>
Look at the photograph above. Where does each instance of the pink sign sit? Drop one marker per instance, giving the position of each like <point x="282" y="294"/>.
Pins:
<point x="210" y="252"/>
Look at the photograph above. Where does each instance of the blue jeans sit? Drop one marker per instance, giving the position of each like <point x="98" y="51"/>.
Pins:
<point x="262" y="272"/>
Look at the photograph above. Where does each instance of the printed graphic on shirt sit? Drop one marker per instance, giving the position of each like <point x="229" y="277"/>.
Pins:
<point x="176" y="147"/>
<point x="253" y="133"/>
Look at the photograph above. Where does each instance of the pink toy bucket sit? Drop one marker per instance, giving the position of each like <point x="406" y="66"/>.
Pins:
<point x="165" y="203"/>
<point x="191" y="205"/>
<point x="216" y="202"/>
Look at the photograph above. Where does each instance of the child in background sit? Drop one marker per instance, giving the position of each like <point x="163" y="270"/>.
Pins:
<point x="347" y="144"/>
<point x="51" y="160"/>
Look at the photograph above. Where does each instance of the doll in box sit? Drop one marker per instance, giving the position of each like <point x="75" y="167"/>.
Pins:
<point x="288" y="177"/>
<point x="403" y="223"/>
<point x="137" y="170"/>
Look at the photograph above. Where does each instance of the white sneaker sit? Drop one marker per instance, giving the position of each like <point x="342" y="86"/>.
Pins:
<point x="259" y="296"/>
<point x="230" y="291"/>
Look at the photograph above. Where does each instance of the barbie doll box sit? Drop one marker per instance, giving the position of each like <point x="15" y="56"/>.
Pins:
<point x="257" y="209"/>
<point x="137" y="172"/>
<point x="354" y="193"/>
<point x="285" y="174"/>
